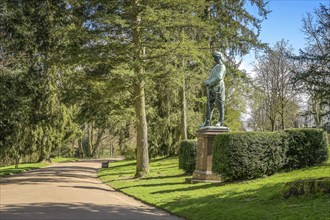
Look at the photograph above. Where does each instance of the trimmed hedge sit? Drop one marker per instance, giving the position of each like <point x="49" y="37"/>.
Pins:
<point x="306" y="147"/>
<point x="187" y="156"/>
<point x="248" y="155"/>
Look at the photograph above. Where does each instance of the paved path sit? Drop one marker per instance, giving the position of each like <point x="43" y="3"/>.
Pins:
<point x="68" y="191"/>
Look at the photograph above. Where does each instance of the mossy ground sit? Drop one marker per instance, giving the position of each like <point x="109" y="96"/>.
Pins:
<point x="262" y="198"/>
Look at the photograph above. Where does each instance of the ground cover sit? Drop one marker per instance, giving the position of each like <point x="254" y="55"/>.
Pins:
<point x="262" y="198"/>
<point x="9" y="170"/>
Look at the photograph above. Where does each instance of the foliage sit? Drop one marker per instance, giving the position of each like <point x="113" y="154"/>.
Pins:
<point x="86" y="72"/>
<point x="237" y="83"/>
<point x="315" y="59"/>
<point x="32" y="41"/>
<point x="313" y="76"/>
<point x="257" y="199"/>
<point x="14" y="116"/>
<point x="238" y="156"/>
<point x="275" y="98"/>
<point x="306" y="147"/>
<point x="187" y="156"/>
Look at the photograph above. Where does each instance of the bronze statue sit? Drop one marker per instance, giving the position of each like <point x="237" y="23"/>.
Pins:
<point x="215" y="87"/>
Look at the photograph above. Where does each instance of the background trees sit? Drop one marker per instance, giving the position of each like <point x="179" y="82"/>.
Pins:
<point x="275" y="98"/>
<point x="98" y="72"/>
<point x="31" y="46"/>
<point x="284" y="82"/>
<point x="313" y="77"/>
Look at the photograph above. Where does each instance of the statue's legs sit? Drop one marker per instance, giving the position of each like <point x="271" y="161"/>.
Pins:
<point x="221" y="109"/>
<point x="209" y="113"/>
<point x="209" y="110"/>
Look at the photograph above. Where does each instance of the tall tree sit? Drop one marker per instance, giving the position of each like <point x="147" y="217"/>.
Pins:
<point x="35" y="29"/>
<point x="314" y="75"/>
<point x="139" y="36"/>
<point x="273" y="77"/>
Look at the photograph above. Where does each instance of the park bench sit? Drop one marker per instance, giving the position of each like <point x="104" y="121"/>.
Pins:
<point x="105" y="164"/>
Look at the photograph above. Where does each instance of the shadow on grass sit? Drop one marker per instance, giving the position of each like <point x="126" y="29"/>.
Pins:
<point x="262" y="203"/>
<point x="160" y="159"/>
<point x="194" y="187"/>
<point x="117" y="173"/>
<point x="121" y="165"/>
<point x="150" y="185"/>
<point x="163" y="177"/>
<point x="83" y="211"/>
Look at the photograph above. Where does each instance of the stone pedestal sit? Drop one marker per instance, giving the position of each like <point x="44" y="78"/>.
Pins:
<point x="203" y="171"/>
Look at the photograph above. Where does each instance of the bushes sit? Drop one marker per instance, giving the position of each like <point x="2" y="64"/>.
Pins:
<point x="248" y="155"/>
<point x="306" y="147"/>
<point x="238" y="156"/>
<point x="187" y="156"/>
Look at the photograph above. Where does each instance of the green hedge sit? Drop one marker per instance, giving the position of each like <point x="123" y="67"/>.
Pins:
<point x="187" y="156"/>
<point x="248" y="155"/>
<point x="306" y="147"/>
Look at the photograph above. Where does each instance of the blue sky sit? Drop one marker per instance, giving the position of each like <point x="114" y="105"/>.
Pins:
<point x="285" y="22"/>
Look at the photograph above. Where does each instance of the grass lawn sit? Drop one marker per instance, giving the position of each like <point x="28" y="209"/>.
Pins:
<point x="256" y="199"/>
<point x="8" y="170"/>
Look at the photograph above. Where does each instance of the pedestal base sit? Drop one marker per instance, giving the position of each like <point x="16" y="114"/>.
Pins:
<point x="203" y="171"/>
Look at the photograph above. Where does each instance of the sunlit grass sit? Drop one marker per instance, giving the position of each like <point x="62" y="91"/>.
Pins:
<point x="9" y="170"/>
<point x="262" y="198"/>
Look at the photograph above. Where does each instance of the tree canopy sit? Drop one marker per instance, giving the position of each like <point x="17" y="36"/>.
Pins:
<point x="129" y="72"/>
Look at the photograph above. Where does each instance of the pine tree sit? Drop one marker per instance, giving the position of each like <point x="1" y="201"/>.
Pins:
<point x="144" y="39"/>
<point x="35" y="30"/>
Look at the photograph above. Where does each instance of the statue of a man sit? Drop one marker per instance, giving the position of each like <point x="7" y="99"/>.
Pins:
<point x="215" y="87"/>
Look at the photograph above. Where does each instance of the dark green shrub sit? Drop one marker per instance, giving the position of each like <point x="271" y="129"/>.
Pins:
<point x="307" y="147"/>
<point x="248" y="155"/>
<point x="187" y="156"/>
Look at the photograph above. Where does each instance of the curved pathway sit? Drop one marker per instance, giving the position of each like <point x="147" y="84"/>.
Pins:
<point x="69" y="191"/>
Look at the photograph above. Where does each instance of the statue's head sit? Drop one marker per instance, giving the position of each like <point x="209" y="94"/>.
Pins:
<point x="218" y="57"/>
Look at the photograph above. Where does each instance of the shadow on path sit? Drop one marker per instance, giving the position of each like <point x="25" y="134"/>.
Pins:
<point x="71" y="191"/>
<point x="79" y="211"/>
<point x="52" y="174"/>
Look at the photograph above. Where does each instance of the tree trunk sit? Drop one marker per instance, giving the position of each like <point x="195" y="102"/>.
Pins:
<point x="184" y="112"/>
<point x="142" y="157"/>
<point x="17" y="157"/>
<point x="272" y="123"/>
<point x="282" y="116"/>
<point x="81" y="149"/>
<point x="90" y="140"/>
<point x="142" y="154"/>
<point x="111" y="147"/>
<point x="97" y="144"/>
<point x="42" y="152"/>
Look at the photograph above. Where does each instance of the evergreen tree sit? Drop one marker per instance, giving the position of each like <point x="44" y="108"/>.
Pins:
<point x="141" y="40"/>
